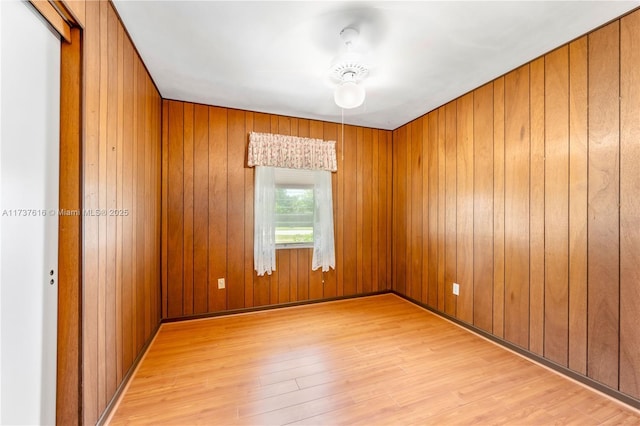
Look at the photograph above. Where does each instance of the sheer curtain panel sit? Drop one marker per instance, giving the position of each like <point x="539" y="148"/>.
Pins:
<point x="324" y="252"/>
<point x="264" y="237"/>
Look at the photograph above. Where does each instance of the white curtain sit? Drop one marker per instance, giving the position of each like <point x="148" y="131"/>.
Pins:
<point x="264" y="238"/>
<point x="324" y="252"/>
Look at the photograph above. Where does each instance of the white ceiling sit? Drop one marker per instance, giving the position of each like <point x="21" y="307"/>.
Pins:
<point x="274" y="56"/>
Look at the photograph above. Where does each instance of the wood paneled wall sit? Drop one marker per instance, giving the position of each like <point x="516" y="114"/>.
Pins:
<point x="207" y="210"/>
<point x="121" y="198"/>
<point x="525" y="192"/>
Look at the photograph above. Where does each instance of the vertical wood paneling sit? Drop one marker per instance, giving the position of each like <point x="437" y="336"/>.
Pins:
<point x="274" y="291"/>
<point x="164" y="250"/>
<point x="603" y="210"/>
<point x="149" y="256"/>
<point x="399" y="208"/>
<point x="450" y="260"/>
<point x="303" y="268"/>
<point x="365" y="218"/>
<point x="236" y="138"/>
<point x="103" y="324"/>
<point x="385" y="167"/>
<point x="556" y="256"/>
<point x="359" y="196"/>
<point x="188" y="209"/>
<point x="349" y="219"/>
<point x="121" y="301"/>
<point x="376" y="223"/>
<point x="282" y="273"/>
<point x="155" y="214"/>
<point x="140" y="209"/>
<point x="293" y="275"/>
<point x="338" y="208"/>
<point x="248" y="191"/>
<point x="385" y="208"/>
<point x="483" y="207"/>
<point x="135" y="213"/>
<point x="434" y="209"/>
<point x="119" y="204"/>
<point x="416" y="213"/>
<point x="111" y="231"/>
<point x="200" y="208"/>
<point x="217" y="206"/>
<point x="464" y="207"/>
<point x="389" y="214"/>
<point x="536" y="207"/>
<point x="175" y="218"/>
<point x="134" y="204"/>
<point x="578" y="158"/>
<point x="120" y="181"/>
<point x="498" y="207"/>
<point x="629" y="204"/>
<point x="517" y="150"/>
<point x="442" y="222"/>
<point x="91" y="156"/>
<point x="408" y="209"/>
<point x="158" y="203"/>
<point x="426" y="260"/>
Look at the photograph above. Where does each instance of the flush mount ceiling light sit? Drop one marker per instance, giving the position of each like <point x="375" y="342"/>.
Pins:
<point x="347" y="71"/>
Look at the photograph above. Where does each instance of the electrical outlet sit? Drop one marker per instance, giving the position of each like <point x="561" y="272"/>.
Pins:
<point x="220" y="283"/>
<point x="456" y="289"/>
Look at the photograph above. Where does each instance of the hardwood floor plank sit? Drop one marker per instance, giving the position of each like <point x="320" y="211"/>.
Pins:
<point x="372" y="360"/>
<point x="301" y="411"/>
<point x="359" y="413"/>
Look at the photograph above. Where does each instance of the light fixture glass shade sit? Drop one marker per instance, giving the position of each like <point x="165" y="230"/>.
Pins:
<point x="349" y="95"/>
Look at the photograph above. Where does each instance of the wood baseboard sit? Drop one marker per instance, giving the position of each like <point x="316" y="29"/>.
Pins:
<point x="268" y="307"/>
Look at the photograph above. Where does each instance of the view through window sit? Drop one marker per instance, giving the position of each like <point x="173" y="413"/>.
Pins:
<point x="294" y="214"/>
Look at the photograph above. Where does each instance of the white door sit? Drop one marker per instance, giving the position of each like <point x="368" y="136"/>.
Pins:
<point x="29" y="182"/>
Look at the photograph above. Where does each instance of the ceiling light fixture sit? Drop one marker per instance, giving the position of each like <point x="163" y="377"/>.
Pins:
<point x="348" y="71"/>
<point x="349" y="94"/>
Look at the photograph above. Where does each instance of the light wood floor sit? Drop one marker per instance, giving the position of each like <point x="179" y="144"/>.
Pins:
<point x="374" y="361"/>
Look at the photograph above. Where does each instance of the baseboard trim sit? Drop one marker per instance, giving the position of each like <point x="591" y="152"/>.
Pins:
<point x="610" y="392"/>
<point x="269" y="307"/>
<point x="108" y="412"/>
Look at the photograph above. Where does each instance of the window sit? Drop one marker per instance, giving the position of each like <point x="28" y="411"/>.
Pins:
<point x="294" y="208"/>
<point x="294" y="215"/>
<point x="304" y="195"/>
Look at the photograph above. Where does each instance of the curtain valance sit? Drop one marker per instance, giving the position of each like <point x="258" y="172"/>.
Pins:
<point x="267" y="149"/>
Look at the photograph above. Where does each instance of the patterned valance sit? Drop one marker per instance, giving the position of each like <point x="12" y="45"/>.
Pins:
<point x="266" y="149"/>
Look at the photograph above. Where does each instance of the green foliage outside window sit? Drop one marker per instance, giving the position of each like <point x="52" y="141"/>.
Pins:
<point x="294" y="214"/>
